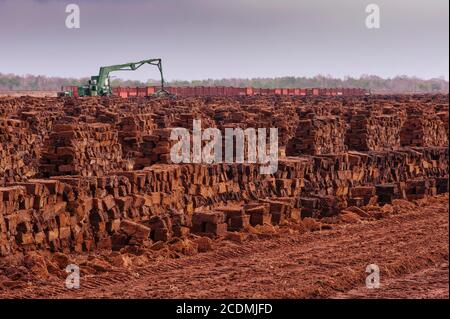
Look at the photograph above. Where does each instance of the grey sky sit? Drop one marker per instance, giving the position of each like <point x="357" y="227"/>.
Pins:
<point x="200" y="39"/>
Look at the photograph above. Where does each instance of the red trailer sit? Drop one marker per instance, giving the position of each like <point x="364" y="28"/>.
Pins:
<point x="141" y="91"/>
<point x="172" y="90"/>
<point x="198" y="90"/>
<point x="267" y="91"/>
<point x="228" y="91"/>
<point x="322" y="91"/>
<point x="121" y="91"/>
<point x="150" y="90"/>
<point x="74" y="90"/>
<point x="213" y="91"/>
<point x="132" y="91"/>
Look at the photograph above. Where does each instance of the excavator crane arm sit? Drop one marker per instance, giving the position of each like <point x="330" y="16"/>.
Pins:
<point x="104" y="87"/>
<point x="100" y="84"/>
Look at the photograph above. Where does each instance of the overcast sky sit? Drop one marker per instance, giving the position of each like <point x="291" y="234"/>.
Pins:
<point x="199" y="39"/>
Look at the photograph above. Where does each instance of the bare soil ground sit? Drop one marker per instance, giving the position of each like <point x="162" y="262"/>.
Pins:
<point x="411" y="249"/>
<point x="17" y="93"/>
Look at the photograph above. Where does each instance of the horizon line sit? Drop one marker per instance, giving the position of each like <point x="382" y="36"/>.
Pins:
<point x="328" y="76"/>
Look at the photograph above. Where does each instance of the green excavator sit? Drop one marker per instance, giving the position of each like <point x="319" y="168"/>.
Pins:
<point x="100" y="85"/>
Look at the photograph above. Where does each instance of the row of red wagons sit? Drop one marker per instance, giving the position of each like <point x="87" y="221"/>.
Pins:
<point x="229" y="91"/>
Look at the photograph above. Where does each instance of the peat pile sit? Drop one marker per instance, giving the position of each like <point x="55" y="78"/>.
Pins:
<point x="96" y="173"/>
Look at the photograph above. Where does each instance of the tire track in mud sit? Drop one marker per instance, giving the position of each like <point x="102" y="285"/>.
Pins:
<point x="427" y="283"/>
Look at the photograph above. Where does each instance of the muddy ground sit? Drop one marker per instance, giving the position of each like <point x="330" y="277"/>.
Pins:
<point x="408" y="242"/>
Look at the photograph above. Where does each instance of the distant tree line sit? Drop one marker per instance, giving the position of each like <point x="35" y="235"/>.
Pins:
<point x="399" y="84"/>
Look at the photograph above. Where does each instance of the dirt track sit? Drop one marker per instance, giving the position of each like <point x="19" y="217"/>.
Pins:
<point x="411" y="250"/>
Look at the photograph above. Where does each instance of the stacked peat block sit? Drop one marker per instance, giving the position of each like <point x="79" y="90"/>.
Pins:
<point x="9" y="106"/>
<point x="422" y="129"/>
<point x="259" y="213"/>
<point x="318" y="135"/>
<point x="156" y="147"/>
<point x="443" y="116"/>
<point x="171" y="200"/>
<point x="396" y="166"/>
<point x="419" y="188"/>
<point x="310" y="207"/>
<point x="328" y="175"/>
<point x="226" y="115"/>
<point x="235" y="217"/>
<point x="206" y="186"/>
<point x="131" y="129"/>
<point x="129" y="136"/>
<point x="442" y="184"/>
<point x="163" y="201"/>
<point x="387" y="192"/>
<point x="19" y="151"/>
<point x="82" y="149"/>
<point x="264" y="211"/>
<point x="330" y="205"/>
<point x="181" y="223"/>
<point x="279" y="209"/>
<point x="40" y="121"/>
<point x="285" y="120"/>
<point x="86" y="229"/>
<point x="12" y="199"/>
<point x="72" y="107"/>
<point x="369" y="132"/>
<point x="167" y="225"/>
<point x="186" y="120"/>
<point x="151" y="197"/>
<point x="163" y="119"/>
<point x="219" y="184"/>
<point x="361" y="196"/>
<point x="210" y="223"/>
<point x="318" y="206"/>
<point x="244" y="143"/>
<point x="108" y="210"/>
<point x="290" y="177"/>
<point x="34" y="215"/>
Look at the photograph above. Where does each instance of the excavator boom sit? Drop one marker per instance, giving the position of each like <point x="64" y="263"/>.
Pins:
<point x="100" y="84"/>
<point x="103" y="75"/>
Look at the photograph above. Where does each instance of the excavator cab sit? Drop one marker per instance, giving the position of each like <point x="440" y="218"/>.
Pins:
<point x="93" y="87"/>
